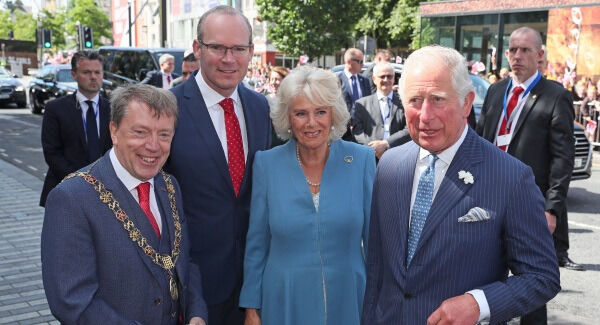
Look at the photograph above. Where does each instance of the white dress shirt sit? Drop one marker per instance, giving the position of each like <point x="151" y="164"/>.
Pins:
<point x="165" y="81"/>
<point x="131" y="184"/>
<point x="518" y="109"/>
<point x="349" y="76"/>
<point x="441" y="167"/>
<point x="217" y="115"/>
<point x="84" y="108"/>
<point x="386" y="112"/>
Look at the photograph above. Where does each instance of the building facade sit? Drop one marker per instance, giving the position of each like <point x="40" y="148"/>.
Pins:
<point x="480" y="30"/>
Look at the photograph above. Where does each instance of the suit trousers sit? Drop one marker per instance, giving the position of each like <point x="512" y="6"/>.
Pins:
<point x="561" y="236"/>
<point x="227" y="312"/>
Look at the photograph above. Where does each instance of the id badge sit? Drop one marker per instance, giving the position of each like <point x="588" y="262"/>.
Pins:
<point x="503" y="140"/>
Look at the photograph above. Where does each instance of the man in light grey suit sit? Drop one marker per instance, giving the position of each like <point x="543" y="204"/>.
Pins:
<point x="452" y="214"/>
<point x="115" y="241"/>
<point x="379" y="118"/>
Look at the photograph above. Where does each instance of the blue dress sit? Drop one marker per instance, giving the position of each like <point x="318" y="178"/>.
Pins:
<point x="304" y="266"/>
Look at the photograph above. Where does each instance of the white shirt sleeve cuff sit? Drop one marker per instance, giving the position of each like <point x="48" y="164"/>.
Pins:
<point x="484" y="308"/>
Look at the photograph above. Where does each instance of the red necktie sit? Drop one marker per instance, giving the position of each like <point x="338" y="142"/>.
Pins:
<point x="169" y="79"/>
<point x="235" y="147"/>
<point x="144" y="196"/>
<point x="512" y="103"/>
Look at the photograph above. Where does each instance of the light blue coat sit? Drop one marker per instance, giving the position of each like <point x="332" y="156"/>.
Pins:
<point x="303" y="266"/>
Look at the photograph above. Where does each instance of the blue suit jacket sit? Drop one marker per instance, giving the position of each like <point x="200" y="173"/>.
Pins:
<point x="363" y="83"/>
<point x="155" y="78"/>
<point x="218" y="219"/>
<point x="94" y="273"/>
<point x="454" y="257"/>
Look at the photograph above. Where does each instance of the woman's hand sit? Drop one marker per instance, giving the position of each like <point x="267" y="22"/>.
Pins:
<point x="252" y="317"/>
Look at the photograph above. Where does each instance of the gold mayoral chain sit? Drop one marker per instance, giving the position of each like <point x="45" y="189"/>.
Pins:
<point x="165" y="261"/>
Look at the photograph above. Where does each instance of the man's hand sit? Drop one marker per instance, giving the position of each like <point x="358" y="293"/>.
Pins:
<point x="197" y="321"/>
<point x="456" y="310"/>
<point x="380" y="147"/>
<point x="551" y="221"/>
<point x="252" y="317"/>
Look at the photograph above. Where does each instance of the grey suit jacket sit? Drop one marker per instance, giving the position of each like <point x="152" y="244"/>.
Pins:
<point x="94" y="273"/>
<point x="368" y="122"/>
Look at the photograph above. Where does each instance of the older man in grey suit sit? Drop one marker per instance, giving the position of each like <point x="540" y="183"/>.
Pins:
<point x="452" y="215"/>
<point x="379" y="118"/>
<point x="114" y="240"/>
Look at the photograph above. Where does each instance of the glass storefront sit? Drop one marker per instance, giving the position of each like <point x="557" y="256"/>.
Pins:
<point x="477" y="36"/>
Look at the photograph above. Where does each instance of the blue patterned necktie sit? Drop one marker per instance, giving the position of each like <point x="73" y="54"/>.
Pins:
<point x="355" y="94"/>
<point x="421" y="207"/>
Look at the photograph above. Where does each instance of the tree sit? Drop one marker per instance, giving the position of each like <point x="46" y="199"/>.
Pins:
<point x="375" y="21"/>
<point x="55" y="21"/>
<point x="88" y="14"/>
<point x="5" y="23"/>
<point x="311" y="27"/>
<point x="24" y="26"/>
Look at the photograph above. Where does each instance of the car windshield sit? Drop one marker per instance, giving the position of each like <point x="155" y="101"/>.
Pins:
<point x="64" y="76"/>
<point x="4" y="74"/>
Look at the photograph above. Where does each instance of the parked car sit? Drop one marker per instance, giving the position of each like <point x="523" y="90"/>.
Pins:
<point x="131" y="64"/>
<point x="11" y="89"/>
<point x="52" y="81"/>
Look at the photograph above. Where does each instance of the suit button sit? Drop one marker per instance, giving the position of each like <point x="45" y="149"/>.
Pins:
<point x="407" y="295"/>
<point x="157" y="301"/>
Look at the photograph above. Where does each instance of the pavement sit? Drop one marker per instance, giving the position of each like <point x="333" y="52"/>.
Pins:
<point x="22" y="298"/>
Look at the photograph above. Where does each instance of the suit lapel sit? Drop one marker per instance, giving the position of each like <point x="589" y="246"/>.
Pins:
<point x="75" y="116"/>
<point x="452" y="189"/>
<point x="107" y="175"/>
<point x="104" y="113"/>
<point x="251" y="133"/>
<point x="406" y="172"/>
<point x="528" y="106"/>
<point x="495" y="112"/>
<point x="194" y="108"/>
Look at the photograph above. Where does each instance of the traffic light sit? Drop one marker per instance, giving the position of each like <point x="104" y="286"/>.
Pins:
<point x="88" y="37"/>
<point x="46" y="38"/>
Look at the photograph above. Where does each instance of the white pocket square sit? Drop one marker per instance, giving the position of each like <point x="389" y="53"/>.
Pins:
<point x="474" y="215"/>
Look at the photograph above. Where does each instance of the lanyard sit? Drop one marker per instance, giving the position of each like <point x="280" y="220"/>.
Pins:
<point x="504" y="108"/>
<point x="384" y="118"/>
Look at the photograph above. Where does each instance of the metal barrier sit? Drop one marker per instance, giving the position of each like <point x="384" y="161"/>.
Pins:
<point x="594" y="109"/>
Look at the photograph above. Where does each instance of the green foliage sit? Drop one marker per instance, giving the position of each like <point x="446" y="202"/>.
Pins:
<point x="24" y="26"/>
<point x="311" y="27"/>
<point x="55" y="21"/>
<point x="88" y="14"/>
<point x="375" y="21"/>
<point x="5" y="23"/>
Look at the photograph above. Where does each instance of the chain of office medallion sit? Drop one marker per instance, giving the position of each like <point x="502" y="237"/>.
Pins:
<point x="163" y="260"/>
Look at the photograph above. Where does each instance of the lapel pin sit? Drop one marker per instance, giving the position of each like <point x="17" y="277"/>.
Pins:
<point x="534" y="96"/>
<point x="348" y="159"/>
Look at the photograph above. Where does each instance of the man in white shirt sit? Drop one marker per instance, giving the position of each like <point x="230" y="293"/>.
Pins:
<point x="165" y="76"/>
<point x="452" y="214"/>
<point x="115" y="242"/>
<point x="379" y="118"/>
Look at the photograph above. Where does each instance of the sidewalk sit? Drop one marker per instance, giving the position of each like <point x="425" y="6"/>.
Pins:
<point x="22" y="299"/>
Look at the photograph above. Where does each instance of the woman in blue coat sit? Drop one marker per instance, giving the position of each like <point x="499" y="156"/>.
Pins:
<point x="309" y="218"/>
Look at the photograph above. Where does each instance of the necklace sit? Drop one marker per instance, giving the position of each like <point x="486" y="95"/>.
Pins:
<point x="306" y="178"/>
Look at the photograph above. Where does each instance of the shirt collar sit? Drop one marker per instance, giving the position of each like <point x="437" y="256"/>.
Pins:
<point x="124" y="176"/>
<point x="381" y="95"/>
<point x="348" y="74"/>
<point x="447" y="155"/>
<point x="83" y="99"/>
<point x="210" y="96"/>
<point x="524" y="85"/>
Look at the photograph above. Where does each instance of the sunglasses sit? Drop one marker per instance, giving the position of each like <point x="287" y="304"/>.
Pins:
<point x="386" y="76"/>
<point x="357" y="61"/>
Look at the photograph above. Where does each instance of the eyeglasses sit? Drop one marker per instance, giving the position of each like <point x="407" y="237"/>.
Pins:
<point x="237" y="51"/>
<point x="357" y="61"/>
<point x="386" y="76"/>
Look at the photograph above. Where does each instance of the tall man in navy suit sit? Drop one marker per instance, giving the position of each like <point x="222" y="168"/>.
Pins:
<point x="115" y="245"/>
<point x="537" y="130"/>
<point x="164" y="77"/>
<point x="75" y="127"/>
<point x="452" y="214"/>
<point x="222" y="125"/>
<point x="354" y="84"/>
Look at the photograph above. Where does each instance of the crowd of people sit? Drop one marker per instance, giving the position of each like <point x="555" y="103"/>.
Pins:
<point x="376" y="206"/>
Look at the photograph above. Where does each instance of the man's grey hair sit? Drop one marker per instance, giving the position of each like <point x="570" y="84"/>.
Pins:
<point x="222" y="10"/>
<point x="165" y="57"/>
<point x="160" y="101"/>
<point x="382" y="66"/>
<point x="352" y="53"/>
<point x="456" y="63"/>
<point x="318" y="86"/>
<point x="537" y="44"/>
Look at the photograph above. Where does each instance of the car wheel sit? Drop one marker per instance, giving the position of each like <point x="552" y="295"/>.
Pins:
<point x="35" y="109"/>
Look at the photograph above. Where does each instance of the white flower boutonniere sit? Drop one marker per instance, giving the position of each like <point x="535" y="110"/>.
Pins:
<point x="467" y="177"/>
